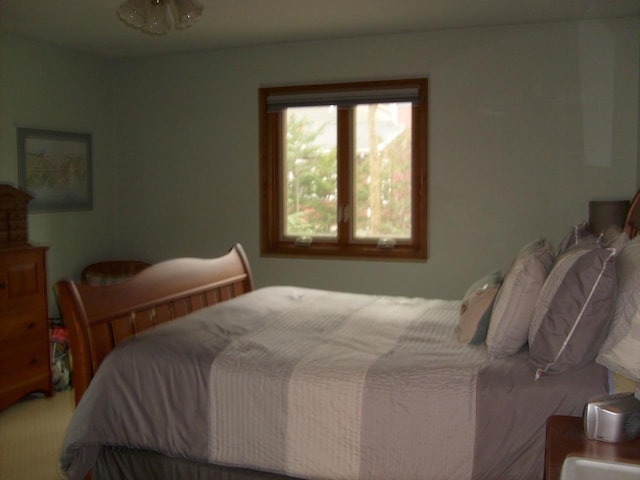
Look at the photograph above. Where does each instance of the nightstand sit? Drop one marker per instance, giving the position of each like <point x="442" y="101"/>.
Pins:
<point x="565" y="436"/>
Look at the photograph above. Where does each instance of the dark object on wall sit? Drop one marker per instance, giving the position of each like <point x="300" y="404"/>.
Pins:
<point x="604" y="214"/>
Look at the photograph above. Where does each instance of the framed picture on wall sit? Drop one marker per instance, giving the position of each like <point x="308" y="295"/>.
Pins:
<point x="55" y="168"/>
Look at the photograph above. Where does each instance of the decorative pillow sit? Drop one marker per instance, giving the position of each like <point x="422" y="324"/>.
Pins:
<point x="516" y="299"/>
<point x="573" y="311"/>
<point x="624" y="357"/>
<point x="628" y="295"/>
<point x="613" y="353"/>
<point x="578" y="234"/>
<point x="614" y="237"/>
<point x="475" y="310"/>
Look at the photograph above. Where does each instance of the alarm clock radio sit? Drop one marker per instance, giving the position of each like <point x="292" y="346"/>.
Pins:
<point x="614" y="418"/>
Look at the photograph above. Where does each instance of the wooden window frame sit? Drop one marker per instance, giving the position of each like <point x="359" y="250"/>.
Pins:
<point x="271" y="137"/>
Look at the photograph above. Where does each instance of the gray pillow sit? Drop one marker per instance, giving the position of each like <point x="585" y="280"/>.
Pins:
<point x="516" y="299"/>
<point x="573" y="311"/>
<point x="578" y="234"/>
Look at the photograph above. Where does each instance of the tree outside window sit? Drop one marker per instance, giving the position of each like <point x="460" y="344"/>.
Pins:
<point x="343" y="170"/>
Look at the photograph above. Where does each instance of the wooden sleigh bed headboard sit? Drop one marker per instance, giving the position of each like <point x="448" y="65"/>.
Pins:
<point x="632" y="224"/>
<point x="101" y="317"/>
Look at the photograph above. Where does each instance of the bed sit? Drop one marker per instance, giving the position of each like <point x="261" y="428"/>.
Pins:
<point x="187" y="371"/>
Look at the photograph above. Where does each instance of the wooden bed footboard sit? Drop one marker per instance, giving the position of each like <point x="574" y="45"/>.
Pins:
<point x="100" y="317"/>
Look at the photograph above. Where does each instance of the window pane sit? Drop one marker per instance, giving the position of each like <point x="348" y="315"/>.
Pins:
<point x="310" y="171"/>
<point x="382" y="166"/>
<point x="326" y="194"/>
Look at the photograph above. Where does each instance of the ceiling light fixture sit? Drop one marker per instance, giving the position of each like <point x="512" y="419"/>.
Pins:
<point x="151" y="16"/>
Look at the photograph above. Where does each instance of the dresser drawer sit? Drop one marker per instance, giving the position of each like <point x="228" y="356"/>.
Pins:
<point x="25" y="363"/>
<point x="15" y="325"/>
<point x="20" y="360"/>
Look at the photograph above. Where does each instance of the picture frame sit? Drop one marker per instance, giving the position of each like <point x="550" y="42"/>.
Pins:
<point x="54" y="167"/>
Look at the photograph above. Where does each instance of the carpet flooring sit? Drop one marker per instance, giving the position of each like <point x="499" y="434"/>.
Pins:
<point x="31" y="434"/>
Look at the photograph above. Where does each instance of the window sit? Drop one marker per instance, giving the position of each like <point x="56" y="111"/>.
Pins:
<point x="344" y="170"/>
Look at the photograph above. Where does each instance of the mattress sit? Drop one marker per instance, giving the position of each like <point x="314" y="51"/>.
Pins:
<point x="318" y="384"/>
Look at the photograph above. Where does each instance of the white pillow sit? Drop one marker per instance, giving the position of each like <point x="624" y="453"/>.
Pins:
<point x="516" y="299"/>
<point x="624" y="357"/>
<point x="628" y="295"/>
<point x="624" y="333"/>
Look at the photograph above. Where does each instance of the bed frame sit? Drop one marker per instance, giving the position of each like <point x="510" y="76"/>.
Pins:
<point x="101" y="317"/>
<point x="632" y="224"/>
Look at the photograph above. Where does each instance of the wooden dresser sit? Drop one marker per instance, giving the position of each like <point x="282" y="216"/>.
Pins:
<point x="25" y="361"/>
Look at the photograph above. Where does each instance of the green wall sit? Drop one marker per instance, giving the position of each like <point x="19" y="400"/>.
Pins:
<point x="527" y="124"/>
<point x="43" y="86"/>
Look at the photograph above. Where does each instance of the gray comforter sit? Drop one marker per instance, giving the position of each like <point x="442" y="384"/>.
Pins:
<point x="319" y="384"/>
